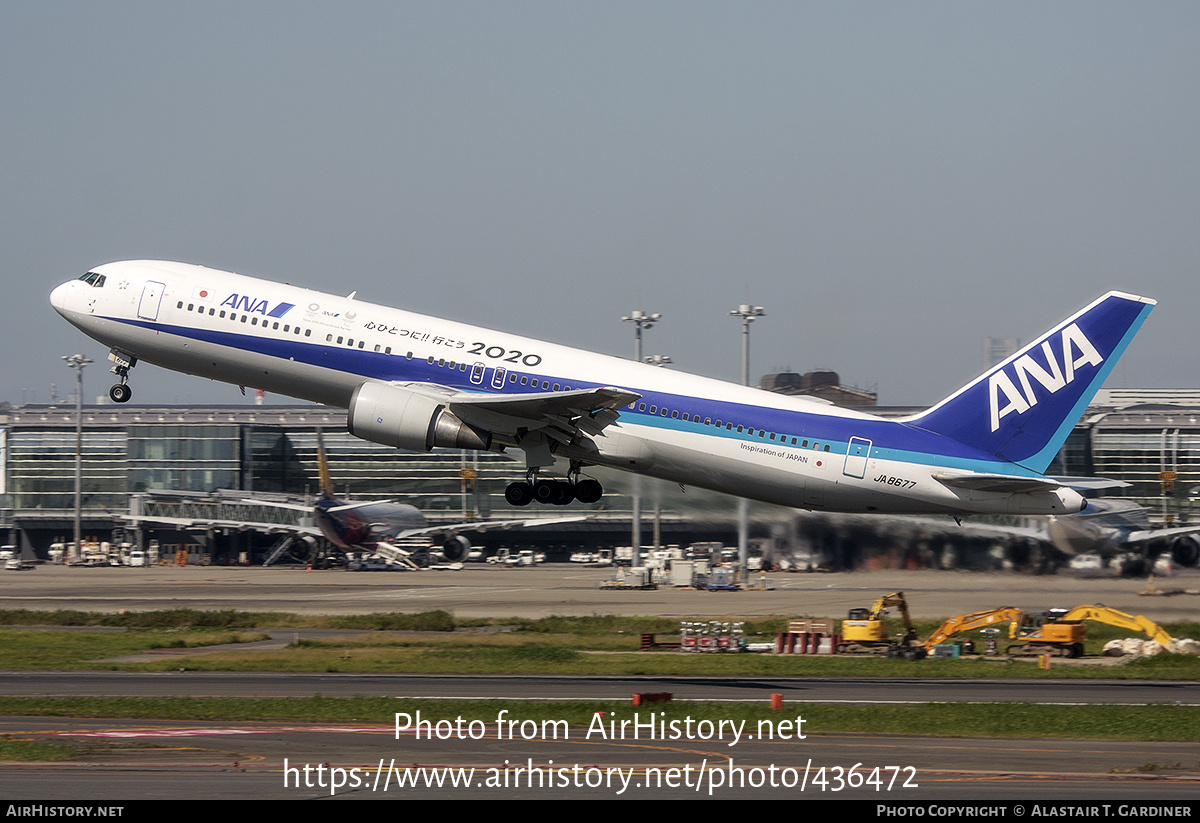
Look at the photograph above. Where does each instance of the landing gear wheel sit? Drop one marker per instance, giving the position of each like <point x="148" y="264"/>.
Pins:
<point x="588" y="491"/>
<point x="565" y="493"/>
<point x="545" y="491"/>
<point x="120" y="393"/>
<point x="518" y="494"/>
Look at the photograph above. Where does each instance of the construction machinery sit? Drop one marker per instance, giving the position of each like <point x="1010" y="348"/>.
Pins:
<point x="1049" y="633"/>
<point x="1057" y="632"/>
<point x="967" y="622"/>
<point x="865" y="632"/>
<point x="1104" y="614"/>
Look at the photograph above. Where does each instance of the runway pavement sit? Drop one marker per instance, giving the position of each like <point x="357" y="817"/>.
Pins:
<point x="871" y="690"/>
<point x="368" y="759"/>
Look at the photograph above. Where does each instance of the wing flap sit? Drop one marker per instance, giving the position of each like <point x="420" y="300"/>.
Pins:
<point x="561" y="416"/>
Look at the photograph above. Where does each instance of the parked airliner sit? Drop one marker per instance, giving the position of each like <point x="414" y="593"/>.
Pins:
<point x="380" y="526"/>
<point x="1110" y="527"/>
<point x="417" y="382"/>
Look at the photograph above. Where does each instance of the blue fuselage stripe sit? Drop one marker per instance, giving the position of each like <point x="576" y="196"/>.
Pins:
<point x="891" y="440"/>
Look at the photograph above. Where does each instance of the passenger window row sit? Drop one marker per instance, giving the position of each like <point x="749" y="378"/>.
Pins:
<point x="763" y="434"/>
<point x="513" y="378"/>
<point x="253" y="319"/>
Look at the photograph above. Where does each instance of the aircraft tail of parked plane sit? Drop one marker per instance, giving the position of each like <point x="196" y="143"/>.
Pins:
<point x="418" y="383"/>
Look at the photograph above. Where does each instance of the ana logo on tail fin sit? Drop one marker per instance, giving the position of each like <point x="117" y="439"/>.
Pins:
<point x="1022" y="410"/>
<point x="1077" y="351"/>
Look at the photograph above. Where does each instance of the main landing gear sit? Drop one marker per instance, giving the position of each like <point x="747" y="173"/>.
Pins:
<point x="120" y="392"/>
<point x="555" y="492"/>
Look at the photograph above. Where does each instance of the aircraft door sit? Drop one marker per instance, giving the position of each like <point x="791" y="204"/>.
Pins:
<point x="857" y="452"/>
<point x="477" y="371"/>
<point x="152" y="294"/>
<point x="498" y="377"/>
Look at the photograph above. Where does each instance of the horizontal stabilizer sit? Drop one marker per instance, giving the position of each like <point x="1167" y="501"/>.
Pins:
<point x="998" y="483"/>
<point x="1091" y="484"/>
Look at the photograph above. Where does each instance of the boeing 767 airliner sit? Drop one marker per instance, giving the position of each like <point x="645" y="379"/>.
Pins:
<point x="417" y="382"/>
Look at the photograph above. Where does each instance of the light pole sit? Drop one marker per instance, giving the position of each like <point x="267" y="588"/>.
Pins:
<point x="640" y="320"/>
<point x="659" y="360"/>
<point x="78" y="362"/>
<point x="748" y="314"/>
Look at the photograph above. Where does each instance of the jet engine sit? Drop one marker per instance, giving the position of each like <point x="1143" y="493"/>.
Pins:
<point x="1185" y="551"/>
<point x="400" y="417"/>
<point x="456" y="549"/>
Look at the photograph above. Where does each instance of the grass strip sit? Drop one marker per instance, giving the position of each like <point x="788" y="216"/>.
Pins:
<point x="35" y="750"/>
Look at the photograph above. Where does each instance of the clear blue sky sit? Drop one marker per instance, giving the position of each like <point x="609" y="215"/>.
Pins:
<point x="892" y="181"/>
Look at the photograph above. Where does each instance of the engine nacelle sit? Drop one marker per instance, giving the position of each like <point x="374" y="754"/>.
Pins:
<point x="456" y="549"/>
<point x="400" y="417"/>
<point x="1185" y="551"/>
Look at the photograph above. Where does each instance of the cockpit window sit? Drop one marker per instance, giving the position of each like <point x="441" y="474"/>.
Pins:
<point x="93" y="279"/>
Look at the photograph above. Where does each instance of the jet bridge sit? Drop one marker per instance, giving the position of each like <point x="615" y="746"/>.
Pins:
<point x="228" y="511"/>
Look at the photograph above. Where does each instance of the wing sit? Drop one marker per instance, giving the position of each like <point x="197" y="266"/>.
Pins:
<point x="487" y="525"/>
<point x="559" y="414"/>
<point x="186" y="523"/>
<point x="1147" y="535"/>
<point x="534" y="421"/>
<point x="421" y="416"/>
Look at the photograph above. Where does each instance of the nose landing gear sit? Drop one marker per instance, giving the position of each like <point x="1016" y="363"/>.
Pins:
<point x="120" y="392"/>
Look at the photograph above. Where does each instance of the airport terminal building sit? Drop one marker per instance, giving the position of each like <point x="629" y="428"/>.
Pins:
<point x="137" y="458"/>
<point x="131" y="454"/>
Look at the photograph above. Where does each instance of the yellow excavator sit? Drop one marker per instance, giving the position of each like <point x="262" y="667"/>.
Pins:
<point x="1050" y="632"/>
<point x="865" y="632"/>
<point x="1104" y="614"/>
<point x="967" y="622"/>
<point x="1058" y="632"/>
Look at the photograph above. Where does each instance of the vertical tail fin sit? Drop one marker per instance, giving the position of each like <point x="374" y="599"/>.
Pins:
<point x="1023" y="409"/>
<point x="323" y="468"/>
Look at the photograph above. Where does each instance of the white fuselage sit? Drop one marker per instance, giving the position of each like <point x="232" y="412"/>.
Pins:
<point x="687" y="429"/>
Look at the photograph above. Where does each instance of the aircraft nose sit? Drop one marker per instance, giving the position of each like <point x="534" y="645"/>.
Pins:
<point x="60" y="298"/>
